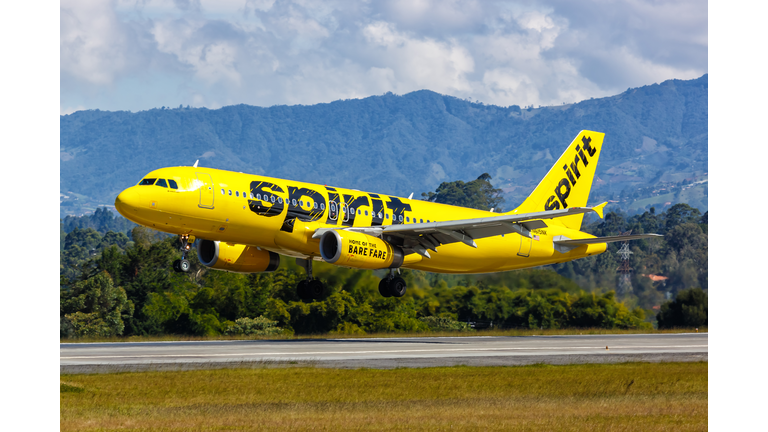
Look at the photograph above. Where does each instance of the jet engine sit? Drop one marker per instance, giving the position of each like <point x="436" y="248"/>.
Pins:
<point x="358" y="250"/>
<point x="236" y="258"/>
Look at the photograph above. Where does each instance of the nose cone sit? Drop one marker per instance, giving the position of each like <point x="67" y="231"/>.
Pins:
<point x="127" y="202"/>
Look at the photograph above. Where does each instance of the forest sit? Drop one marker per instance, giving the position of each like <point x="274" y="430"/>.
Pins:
<point x="116" y="279"/>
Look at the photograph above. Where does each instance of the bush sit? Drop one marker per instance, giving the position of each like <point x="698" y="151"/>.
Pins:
<point x="258" y="326"/>
<point x="444" y="324"/>
<point x="689" y="309"/>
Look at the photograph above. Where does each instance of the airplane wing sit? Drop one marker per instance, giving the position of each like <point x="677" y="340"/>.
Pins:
<point x="421" y="237"/>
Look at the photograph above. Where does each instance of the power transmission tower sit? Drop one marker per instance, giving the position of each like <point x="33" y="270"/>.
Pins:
<point x="624" y="269"/>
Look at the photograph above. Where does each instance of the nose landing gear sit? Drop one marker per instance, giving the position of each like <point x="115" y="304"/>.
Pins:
<point x="392" y="286"/>
<point x="183" y="265"/>
<point x="310" y="288"/>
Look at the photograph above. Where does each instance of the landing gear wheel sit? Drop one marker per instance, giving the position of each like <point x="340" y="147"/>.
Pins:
<point x="384" y="288"/>
<point x="184" y="266"/>
<point x="176" y="266"/>
<point x="397" y="286"/>
<point x="303" y="290"/>
<point x="315" y="288"/>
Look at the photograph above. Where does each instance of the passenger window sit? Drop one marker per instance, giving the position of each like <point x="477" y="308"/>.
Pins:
<point x="172" y="184"/>
<point x="147" y="182"/>
<point x="366" y="212"/>
<point x="161" y="183"/>
<point x="407" y="219"/>
<point x="230" y="192"/>
<point x="401" y="218"/>
<point x="421" y="220"/>
<point x="251" y="195"/>
<point x="279" y="200"/>
<point x="427" y="220"/>
<point x="386" y="215"/>
<point x="222" y="192"/>
<point x="294" y="202"/>
<point x="258" y="197"/>
<point x="237" y="194"/>
<point x="322" y="206"/>
<point x="272" y="198"/>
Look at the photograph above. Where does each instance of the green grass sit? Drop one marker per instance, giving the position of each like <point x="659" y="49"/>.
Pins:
<point x="513" y="332"/>
<point x="627" y="397"/>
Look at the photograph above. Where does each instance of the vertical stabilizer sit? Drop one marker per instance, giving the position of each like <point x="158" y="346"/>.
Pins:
<point x="568" y="182"/>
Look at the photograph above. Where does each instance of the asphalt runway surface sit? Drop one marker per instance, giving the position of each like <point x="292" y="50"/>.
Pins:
<point x="382" y="353"/>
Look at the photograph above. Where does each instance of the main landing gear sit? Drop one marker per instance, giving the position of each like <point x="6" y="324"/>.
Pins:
<point x="392" y="286"/>
<point x="182" y="265"/>
<point x="310" y="288"/>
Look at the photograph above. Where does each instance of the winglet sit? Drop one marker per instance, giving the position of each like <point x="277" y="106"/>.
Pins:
<point x="599" y="209"/>
<point x="195" y="165"/>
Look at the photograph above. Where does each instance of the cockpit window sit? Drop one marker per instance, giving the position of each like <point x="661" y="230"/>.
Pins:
<point x="147" y="182"/>
<point x="172" y="184"/>
<point x="161" y="183"/>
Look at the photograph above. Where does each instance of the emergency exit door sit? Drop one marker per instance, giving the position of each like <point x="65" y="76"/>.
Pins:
<point x="206" y="190"/>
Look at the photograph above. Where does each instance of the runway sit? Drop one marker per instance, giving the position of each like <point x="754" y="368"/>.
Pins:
<point x="382" y="352"/>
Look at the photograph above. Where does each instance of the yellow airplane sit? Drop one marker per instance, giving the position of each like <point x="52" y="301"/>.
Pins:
<point x="244" y="222"/>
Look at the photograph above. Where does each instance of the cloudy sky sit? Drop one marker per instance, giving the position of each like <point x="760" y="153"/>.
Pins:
<point x="140" y="54"/>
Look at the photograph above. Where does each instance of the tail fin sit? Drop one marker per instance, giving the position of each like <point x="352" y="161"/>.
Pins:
<point x="568" y="182"/>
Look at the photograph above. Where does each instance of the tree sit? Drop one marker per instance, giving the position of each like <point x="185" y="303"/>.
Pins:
<point x="680" y="214"/>
<point x="478" y="194"/>
<point x="94" y="307"/>
<point x="689" y="309"/>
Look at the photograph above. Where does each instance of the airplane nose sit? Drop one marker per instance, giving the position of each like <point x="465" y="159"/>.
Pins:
<point x="127" y="201"/>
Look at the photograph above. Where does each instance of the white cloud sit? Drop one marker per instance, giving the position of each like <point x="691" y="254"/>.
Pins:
<point x="212" y="60"/>
<point x="138" y="54"/>
<point x="421" y="62"/>
<point x="92" y="45"/>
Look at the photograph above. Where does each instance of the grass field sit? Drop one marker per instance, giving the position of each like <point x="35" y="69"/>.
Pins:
<point x="513" y="332"/>
<point x="625" y="397"/>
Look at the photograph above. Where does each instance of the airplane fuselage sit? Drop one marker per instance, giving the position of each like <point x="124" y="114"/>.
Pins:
<point x="282" y="215"/>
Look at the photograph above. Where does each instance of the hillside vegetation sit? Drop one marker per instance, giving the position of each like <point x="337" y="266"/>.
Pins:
<point x="655" y="151"/>
<point x="122" y="283"/>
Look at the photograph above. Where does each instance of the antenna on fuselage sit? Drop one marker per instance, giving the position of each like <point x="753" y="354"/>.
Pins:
<point x="195" y="165"/>
<point x="410" y="196"/>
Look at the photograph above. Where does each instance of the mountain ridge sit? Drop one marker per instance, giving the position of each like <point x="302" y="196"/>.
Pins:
<point x="656" y="138"/>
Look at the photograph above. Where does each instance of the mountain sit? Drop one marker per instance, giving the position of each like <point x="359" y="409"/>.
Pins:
<point x="655" y="150"/>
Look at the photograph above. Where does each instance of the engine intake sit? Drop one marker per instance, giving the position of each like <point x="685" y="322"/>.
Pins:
<point x="236" y="258"/>
<point x="358" y="250"/>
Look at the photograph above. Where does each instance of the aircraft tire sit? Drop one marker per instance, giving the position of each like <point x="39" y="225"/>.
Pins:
<point x="303" y="290"/>
<point x="397" y="286"/>
<point x="184" y="266"/>
<point x="384" y="288"/>
<point x="176" y="266"/>
<point x="315" y="289"/>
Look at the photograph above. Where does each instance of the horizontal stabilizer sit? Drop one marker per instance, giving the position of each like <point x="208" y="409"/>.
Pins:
<point x="564" y="244"/>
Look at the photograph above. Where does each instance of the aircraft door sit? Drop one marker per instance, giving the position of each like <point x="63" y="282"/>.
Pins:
<point x="345" y="210"/>
<point x="206" y="190"/>
<point x="333" y="211"/>
<point x="525" y="246"/>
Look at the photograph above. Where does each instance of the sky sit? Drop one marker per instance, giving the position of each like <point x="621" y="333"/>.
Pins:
<point x="140" y="54"/>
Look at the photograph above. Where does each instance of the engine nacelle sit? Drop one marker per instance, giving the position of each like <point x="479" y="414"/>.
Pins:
<point x="236" y="258"/>
<point x="358" y="250"/>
